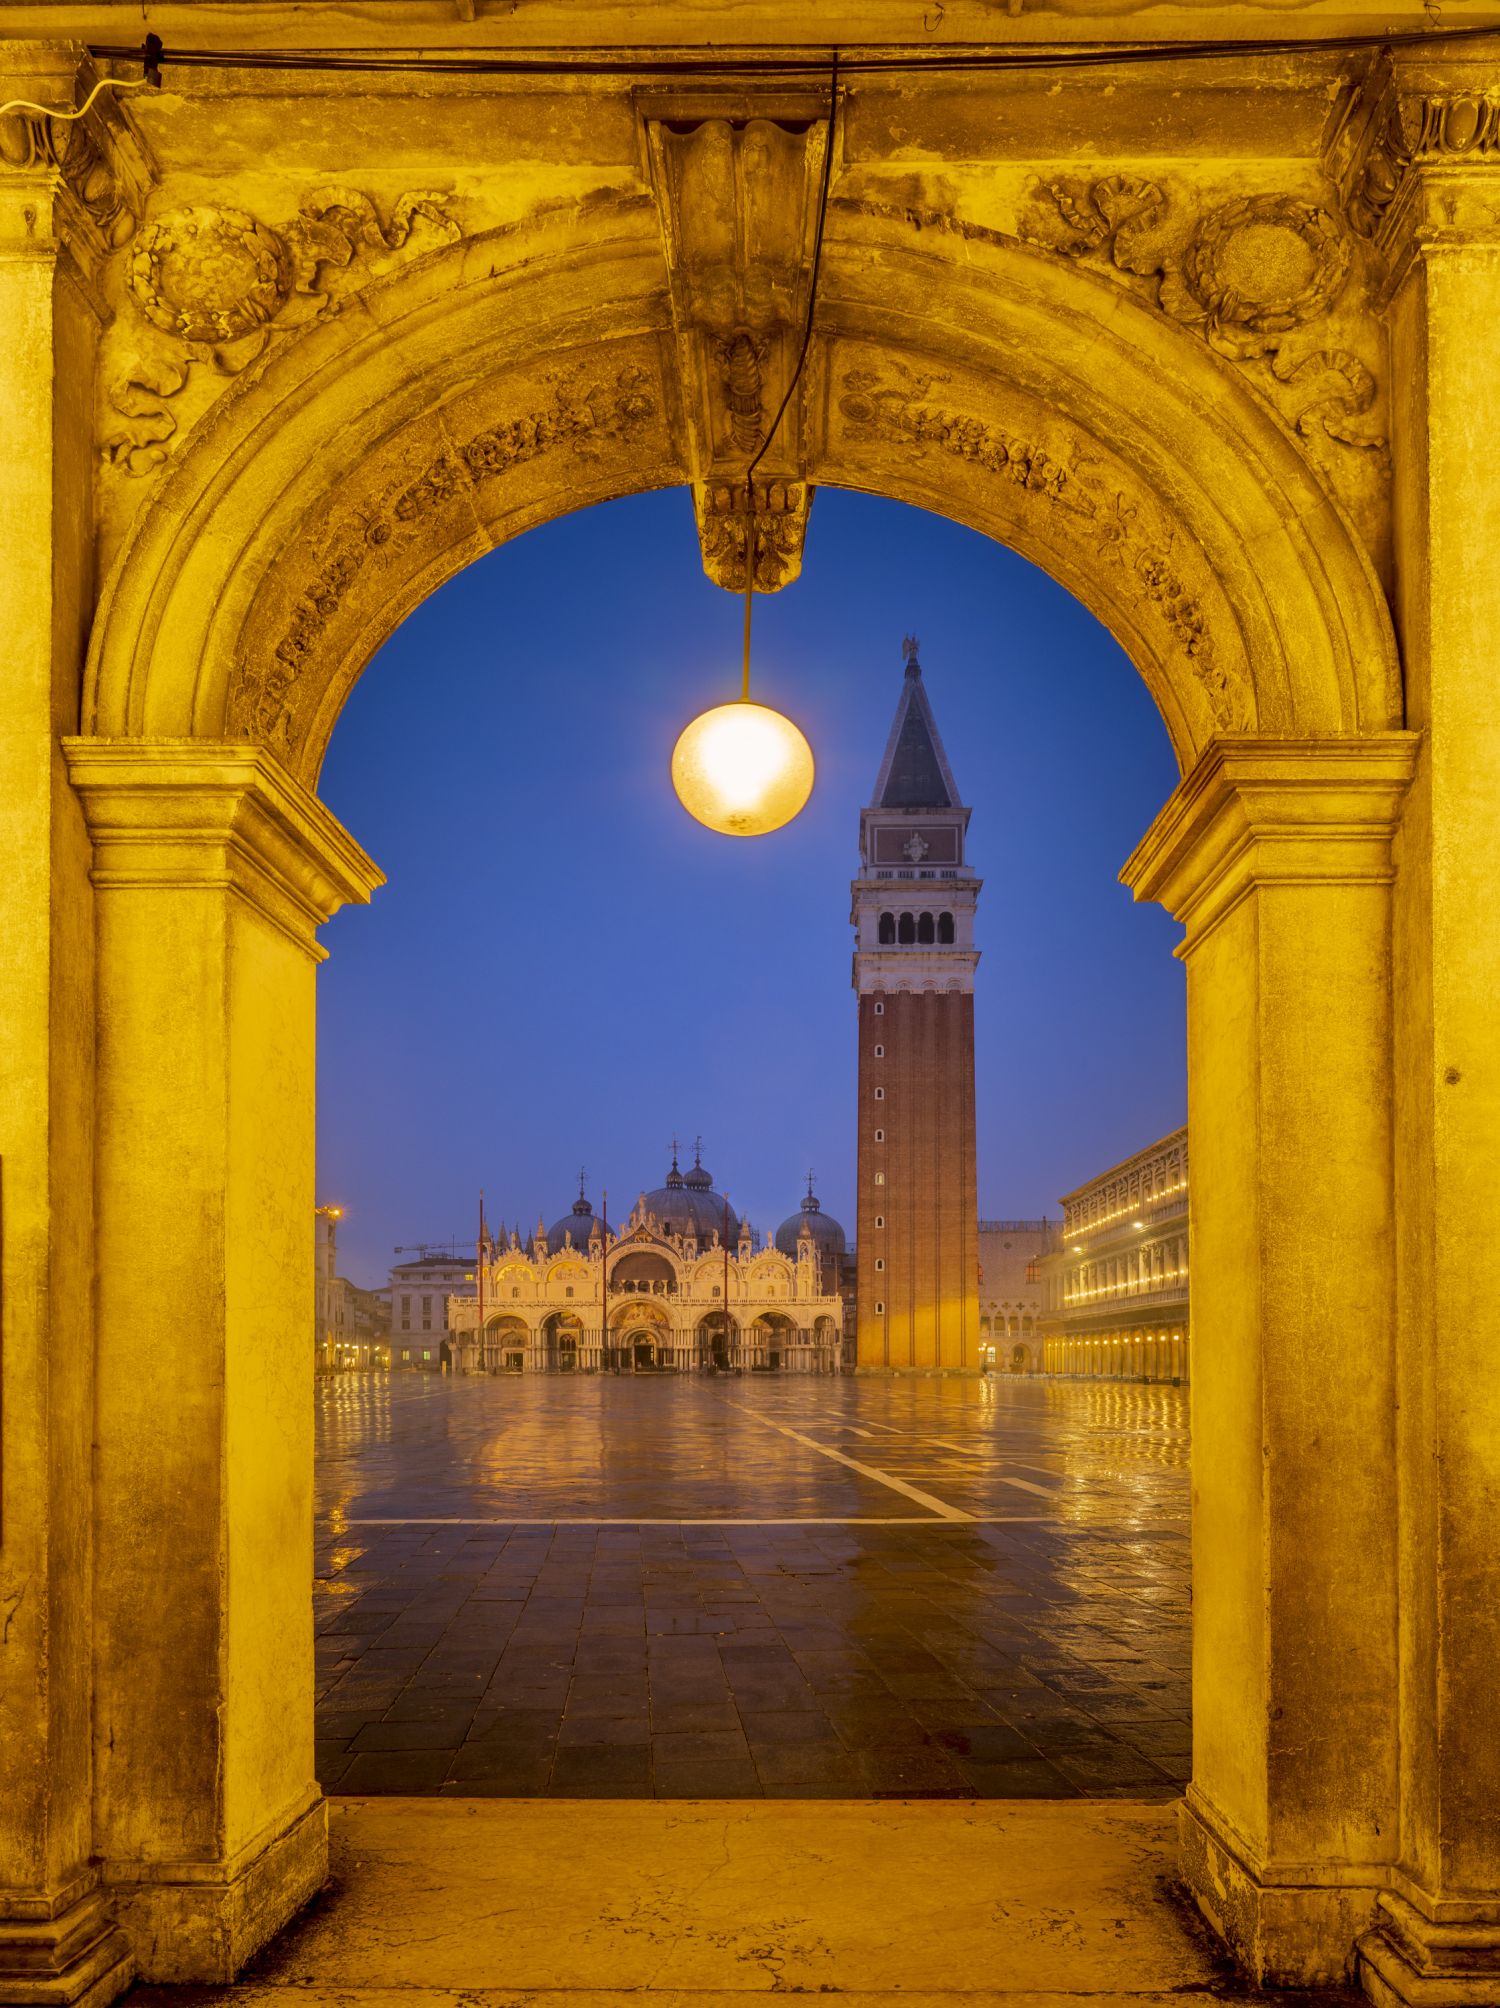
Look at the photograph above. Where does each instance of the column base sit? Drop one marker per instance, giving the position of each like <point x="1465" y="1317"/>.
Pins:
<point x="1284" y="1928"/>
<point x="1407" y="1961"/>
<point x="80" y="1959"/>
<point x="203" y="1920"/>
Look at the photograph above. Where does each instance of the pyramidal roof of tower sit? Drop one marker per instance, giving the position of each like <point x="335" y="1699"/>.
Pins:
<point x="915" y="773"/>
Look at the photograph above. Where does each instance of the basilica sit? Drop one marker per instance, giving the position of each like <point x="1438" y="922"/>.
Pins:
<point x="685" y="1286"/>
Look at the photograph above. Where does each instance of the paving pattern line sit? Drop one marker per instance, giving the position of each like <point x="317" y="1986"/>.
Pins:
<point x="938" y="1506"/>
<point x="1025" y="1484"/>
<point x="672" y="1520"/>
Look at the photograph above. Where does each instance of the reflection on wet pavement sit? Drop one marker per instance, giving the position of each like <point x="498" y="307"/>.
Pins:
<point x="720" y="1588"/>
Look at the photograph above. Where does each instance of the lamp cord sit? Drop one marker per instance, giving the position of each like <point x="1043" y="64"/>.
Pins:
<point x="51" y="111"/>
<point x="796" y="376"/>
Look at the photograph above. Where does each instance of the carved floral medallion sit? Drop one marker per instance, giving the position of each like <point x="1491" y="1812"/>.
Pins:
<point x="210" y="276"/>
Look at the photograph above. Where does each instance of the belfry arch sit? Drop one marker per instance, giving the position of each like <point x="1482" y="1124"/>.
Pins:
<point x="310" y="460"/>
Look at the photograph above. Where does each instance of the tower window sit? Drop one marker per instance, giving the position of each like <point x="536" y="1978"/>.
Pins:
<point x="879" y="1010"/>
<point x="880" y="1094"/>
<point x="907" y="932"/>
<point x="880" y="1178"/>
<point x="880" y="1136"/>
<point x="887" y="928"/>
<point x="880" y="1052"/>
<point x="925" y="933"/>
<point x="880" y="1310"/>
<point x="945" y="929"/>
<point x="879" y="1264"/>
<point x="880" y="1220"/>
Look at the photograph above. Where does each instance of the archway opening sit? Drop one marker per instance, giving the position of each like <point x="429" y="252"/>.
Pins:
<point x="611" y="1041"/>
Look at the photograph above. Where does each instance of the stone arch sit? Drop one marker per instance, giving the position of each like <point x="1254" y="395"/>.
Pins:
<point x="509" y="378"/>
<point x="500" y="383"/>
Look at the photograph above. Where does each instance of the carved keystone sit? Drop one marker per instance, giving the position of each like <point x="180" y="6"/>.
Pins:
<point x="738" y="201"/>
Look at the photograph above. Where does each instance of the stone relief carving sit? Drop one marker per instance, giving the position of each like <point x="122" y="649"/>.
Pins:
<point x="896" y="404"/>
<point x="780" y="525"/>
<point x="1245" y="275"/>
<point x="1385" y="133"/>
<point x="217" y="283"/>
<point x="583" y="415"/>
<point x="741" y="362"/>
<point x="76" y="150"/>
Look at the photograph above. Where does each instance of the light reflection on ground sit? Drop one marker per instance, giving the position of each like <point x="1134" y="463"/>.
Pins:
<point x="725" y="1587"/>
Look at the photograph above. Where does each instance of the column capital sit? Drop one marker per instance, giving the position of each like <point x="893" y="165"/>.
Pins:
<point x="190" y="813"/>
<point x="79" y="184"/>
<point x="1256" y="811"/>
<point x="1415" y="154"/>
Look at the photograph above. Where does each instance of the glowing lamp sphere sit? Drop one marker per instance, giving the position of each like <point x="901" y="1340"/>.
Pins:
<point x="742" y="769"/>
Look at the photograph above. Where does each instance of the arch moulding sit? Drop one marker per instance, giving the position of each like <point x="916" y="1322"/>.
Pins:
<point x="507" y="379"/>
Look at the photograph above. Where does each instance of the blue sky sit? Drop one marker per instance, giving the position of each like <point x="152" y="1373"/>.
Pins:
<point x="565" y="970"/>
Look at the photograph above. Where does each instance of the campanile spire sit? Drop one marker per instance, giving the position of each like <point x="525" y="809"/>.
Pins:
<point x="914" y="966"/>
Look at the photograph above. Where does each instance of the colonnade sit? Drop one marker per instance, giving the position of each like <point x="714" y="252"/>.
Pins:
<point x="1130" y="1355"/>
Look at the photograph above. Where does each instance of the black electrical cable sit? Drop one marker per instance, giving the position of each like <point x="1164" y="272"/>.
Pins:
<point x="816" y="263"/>
<point x="877" y="60"/>
<point x="796" y="376"/>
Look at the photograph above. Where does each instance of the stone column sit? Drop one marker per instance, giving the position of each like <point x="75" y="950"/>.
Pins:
<point x="1277" y="857"/>
<point x="212" y="870"/>
<point x="69" y="191"/>
<point x="1433" y="166"/>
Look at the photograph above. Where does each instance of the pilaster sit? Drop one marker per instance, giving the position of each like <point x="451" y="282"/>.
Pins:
<point x="1436" y="1938"/>
<point x="69" y="189"/>
<point x="211" y="872"/>
<point x="1277" y="857"/>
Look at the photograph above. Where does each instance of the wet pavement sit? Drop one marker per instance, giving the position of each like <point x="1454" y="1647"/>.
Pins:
<point x="796" y="1588"/>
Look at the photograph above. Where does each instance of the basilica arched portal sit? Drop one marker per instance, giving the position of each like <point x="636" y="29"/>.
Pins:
<point x="315" y="405"/>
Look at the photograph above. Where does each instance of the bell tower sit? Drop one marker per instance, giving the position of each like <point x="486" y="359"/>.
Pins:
<point x="914" y="960"/>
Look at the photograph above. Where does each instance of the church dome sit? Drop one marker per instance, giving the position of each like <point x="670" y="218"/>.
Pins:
<point x="580" y="1223"/>
<point x="827" y="1235"/>
<point x="690" y="1206"/>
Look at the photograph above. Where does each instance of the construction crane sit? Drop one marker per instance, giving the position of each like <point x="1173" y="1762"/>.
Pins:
<point x="427" y="1248"/>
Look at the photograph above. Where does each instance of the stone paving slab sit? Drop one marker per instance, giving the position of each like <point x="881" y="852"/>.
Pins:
<point x="495" y="1904"/>
<point x="958" y="1649"/>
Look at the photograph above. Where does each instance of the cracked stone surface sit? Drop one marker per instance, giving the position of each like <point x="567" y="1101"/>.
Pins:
<point x="501" y="1904"/>
<point x="823" y="1589"/>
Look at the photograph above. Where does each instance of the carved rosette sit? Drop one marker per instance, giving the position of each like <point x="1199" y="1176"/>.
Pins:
<point x="585" y="416"/>
<point x="1255" y="269"/>
<point x="1245" y="275"/>
<point x="210" y="276"/>
<point x="896" y="405"/>
<point x="216" y="284"/>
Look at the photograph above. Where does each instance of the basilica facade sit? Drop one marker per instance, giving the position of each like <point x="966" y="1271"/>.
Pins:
<point x="685" y="1286"/>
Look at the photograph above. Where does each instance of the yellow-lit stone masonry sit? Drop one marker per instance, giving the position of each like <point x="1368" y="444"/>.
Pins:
<point x="1213" y="336"/>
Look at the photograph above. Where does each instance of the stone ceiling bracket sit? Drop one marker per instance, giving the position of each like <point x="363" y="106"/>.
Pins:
<point x="738" y="201"/>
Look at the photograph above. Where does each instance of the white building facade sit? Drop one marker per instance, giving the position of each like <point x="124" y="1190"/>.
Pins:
<point x="1116" y="1287"/>
<point x="1011" y="1253"/>
<point x="421" y="1295"/>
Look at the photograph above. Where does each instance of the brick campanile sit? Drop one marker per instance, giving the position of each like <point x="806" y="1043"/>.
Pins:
<point x="917" y="1228"/>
